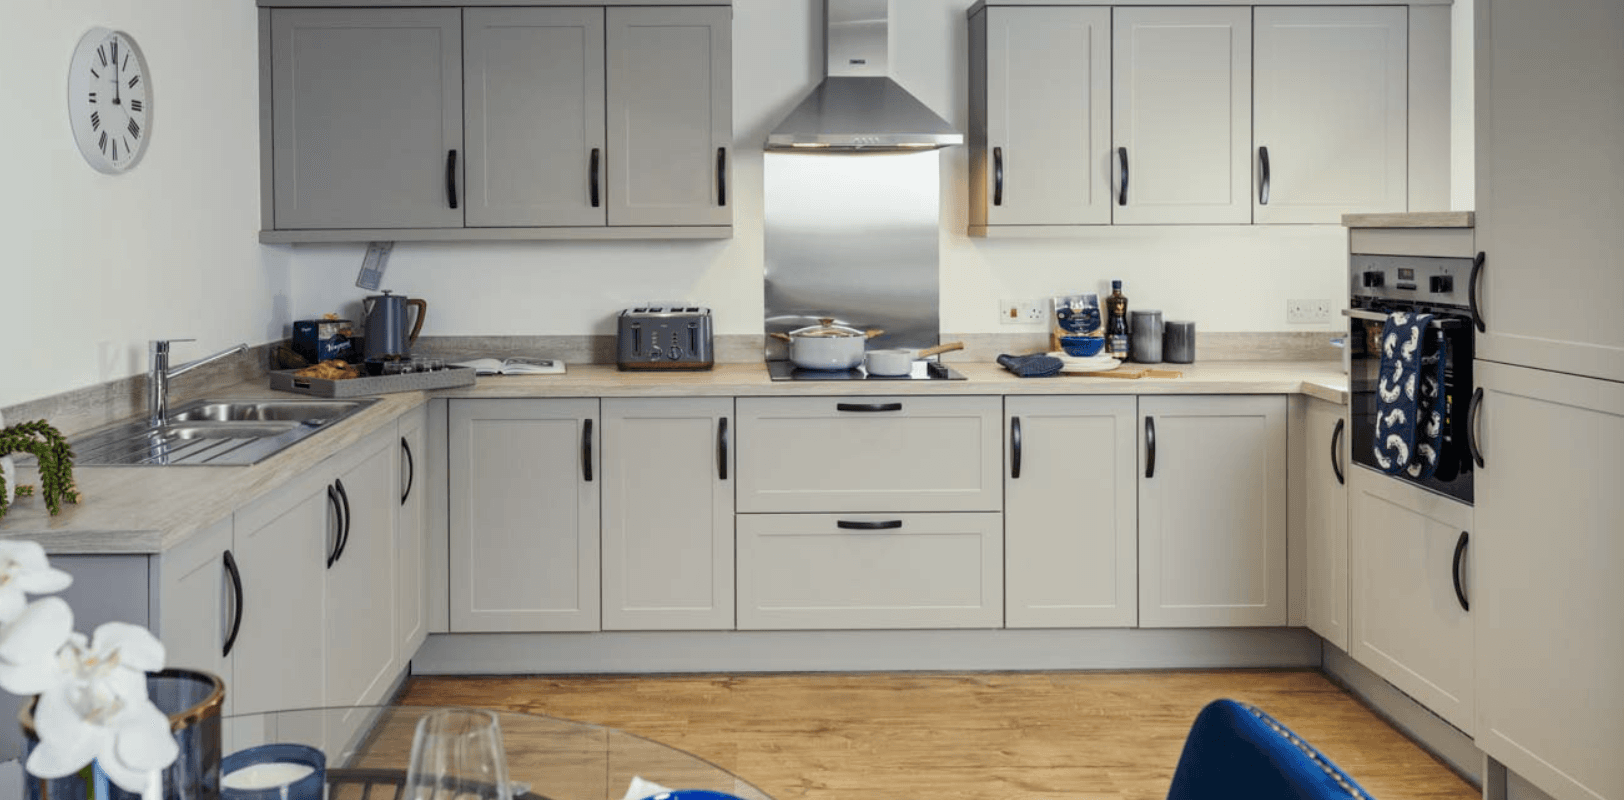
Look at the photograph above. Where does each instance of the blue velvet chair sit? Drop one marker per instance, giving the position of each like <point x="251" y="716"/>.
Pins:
<point x="1235" y="750"/>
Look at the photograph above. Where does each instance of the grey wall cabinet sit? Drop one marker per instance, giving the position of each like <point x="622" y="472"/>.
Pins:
<point x="1086" y="114"/>
<point x="524" y="504"/>
<point x="366" y="117"/>
<point x="1040" y="106"/>
<point x="670" y="115"/>
<point x="580" y="122"/>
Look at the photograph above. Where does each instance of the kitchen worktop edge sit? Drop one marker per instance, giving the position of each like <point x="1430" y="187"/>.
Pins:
<point x="118" y="515"/>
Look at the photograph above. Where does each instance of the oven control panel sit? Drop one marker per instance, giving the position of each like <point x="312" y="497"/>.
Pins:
<point x="1410" y="279"/>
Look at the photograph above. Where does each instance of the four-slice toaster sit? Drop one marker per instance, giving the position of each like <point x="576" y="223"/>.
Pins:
<point x="665" y="336"/>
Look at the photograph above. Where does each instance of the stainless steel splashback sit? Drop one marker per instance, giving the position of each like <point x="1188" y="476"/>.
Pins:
<point x="854" y="238"/>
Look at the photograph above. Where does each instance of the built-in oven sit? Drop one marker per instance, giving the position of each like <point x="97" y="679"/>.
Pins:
<point x="1383" y="284"/>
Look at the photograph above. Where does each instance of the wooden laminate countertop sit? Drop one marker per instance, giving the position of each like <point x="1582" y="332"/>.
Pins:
<point x="152" y="509"/>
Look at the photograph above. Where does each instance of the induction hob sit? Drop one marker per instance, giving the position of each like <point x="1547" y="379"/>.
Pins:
<point x="922" y="371"/>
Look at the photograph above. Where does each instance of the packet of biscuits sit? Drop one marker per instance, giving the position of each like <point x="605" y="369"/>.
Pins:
<point x="1078" y="328"/>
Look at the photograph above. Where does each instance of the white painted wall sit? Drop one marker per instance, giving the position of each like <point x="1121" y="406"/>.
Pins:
<point x="98" y="265"/>
<point x="1225" y="278"/>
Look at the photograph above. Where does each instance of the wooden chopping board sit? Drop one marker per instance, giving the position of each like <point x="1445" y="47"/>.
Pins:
<point x="1129" y="373"/>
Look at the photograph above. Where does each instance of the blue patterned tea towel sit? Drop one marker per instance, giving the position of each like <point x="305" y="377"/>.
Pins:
<point x="1409" y="413"/>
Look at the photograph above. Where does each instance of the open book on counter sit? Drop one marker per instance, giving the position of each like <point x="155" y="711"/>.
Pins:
<point x="513" y="366"/>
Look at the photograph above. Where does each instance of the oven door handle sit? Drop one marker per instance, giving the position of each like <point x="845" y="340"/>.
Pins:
<point x="1445" y="323"/>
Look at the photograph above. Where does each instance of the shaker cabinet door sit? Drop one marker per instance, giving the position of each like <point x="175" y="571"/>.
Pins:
<point x="366" y="112"/>
<point x="1325" y="459"/>
<point x="668" y="513"/>
<point x="524" y="515"/>
<point x="1212" y="511"/>
<point x="1047" y="98"/>
<point x="1330" y="105"/>
<point x="1181" y="115"/>
<point x="534" y="92"/>
<point x="1549" y="602"/>
<point x="670" y="112"/>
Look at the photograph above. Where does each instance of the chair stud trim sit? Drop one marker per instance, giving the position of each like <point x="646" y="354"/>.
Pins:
<point x="1308" y="750"/>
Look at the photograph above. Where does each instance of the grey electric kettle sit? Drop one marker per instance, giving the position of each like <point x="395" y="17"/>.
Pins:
<point x="385" y="325"/>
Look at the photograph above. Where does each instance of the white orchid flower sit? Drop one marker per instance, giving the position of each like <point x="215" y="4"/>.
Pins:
<point x="29" y="646"/>
<point x="99" y="709"/>
<point x="23" y="568"/>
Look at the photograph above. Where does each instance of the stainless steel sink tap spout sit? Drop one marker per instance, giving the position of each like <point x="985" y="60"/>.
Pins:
<point x="159" y="372"/>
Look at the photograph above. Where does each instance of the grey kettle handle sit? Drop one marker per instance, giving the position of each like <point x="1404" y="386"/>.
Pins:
<point x="417" y="326"/>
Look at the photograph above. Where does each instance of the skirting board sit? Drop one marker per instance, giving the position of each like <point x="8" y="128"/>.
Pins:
<point x="863" y="651"/>
<point x="1444" y="741"/>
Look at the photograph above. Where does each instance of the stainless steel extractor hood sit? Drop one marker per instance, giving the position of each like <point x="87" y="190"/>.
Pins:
<point x="858" y="108"/>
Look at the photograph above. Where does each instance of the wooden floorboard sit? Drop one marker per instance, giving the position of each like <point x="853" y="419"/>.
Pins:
<point x="903" y="736"/>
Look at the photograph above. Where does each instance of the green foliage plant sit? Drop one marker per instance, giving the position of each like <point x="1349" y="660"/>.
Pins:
<point x="50" y="448"/>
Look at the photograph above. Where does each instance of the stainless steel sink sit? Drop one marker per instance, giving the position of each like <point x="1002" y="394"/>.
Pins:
<point x="211" y="433"/>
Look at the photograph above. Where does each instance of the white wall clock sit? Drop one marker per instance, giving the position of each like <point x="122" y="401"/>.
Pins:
<point x="110" y="100"/>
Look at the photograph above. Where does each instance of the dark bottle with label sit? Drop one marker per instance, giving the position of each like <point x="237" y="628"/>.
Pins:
<point x="1116" y="322"/>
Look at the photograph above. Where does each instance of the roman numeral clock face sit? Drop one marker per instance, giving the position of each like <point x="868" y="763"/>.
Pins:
<point x="110" y="100"/>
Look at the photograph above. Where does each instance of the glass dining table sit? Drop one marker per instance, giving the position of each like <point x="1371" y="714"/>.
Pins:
<point x="547" y="758"/>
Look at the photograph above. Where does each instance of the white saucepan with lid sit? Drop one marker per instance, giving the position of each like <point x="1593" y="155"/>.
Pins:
<point x="827" y="346"/>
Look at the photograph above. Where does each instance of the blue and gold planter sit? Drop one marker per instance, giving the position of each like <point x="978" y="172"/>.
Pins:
<point x="192" y="699"/>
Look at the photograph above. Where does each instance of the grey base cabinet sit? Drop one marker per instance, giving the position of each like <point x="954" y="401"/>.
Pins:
<point x="412" y="557"/>
<point x="1071" y="512"/>
<point x="1546" y="554"/>
<point x="1212" y="511"/>
<point x="524" y="504"/>
<point x="496" y="123"/>
<point x="1325" y="492"/>
<point x="854" y="571"/>
<point x="668" y="477"/>
<point x="1410" y="563"/>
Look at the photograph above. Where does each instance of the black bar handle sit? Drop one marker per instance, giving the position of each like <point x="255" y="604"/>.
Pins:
<point x="1150" y="447"/>
<point x="1472" y="412"/>
<point x="411" y="470"/>
<point x="1336" y="464"/>
<point x="721" y="176"/>
<point x="586" y="450"/>
<point x="1015" y="447"/>
<point x="721" y="450"/>
<point x="1460" y="552"/>
<point x="344" y="497"/>
<point x="998" y="176"/>
<point x="868" y="406"/>
<point x="592" y="174"/>
<point x="854" y="525"/>
<point x="1263" y="185"/>
<point x="451" y="176"/>
<point x="236" y="602"/>
<point x="1122" y="159"/>
<point x="338" y="515"/>
<point x="1471" y="293"/>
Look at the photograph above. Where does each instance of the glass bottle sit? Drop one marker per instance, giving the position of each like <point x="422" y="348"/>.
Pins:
<point x="1116" y="322"/>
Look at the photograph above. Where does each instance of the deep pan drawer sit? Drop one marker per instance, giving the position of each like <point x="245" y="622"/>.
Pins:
<point x="830" y="454"/>
<point x="842" y="571"/>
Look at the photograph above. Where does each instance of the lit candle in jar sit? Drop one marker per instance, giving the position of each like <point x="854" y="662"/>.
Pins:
<point x="266" y="776"/>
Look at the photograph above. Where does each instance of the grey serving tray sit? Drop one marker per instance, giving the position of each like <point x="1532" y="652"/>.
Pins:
<point x="285" y="380"/>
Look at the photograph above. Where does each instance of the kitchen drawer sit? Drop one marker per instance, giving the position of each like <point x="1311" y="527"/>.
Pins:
<point x="808" y="571"/>
<point x="837" y="454"/>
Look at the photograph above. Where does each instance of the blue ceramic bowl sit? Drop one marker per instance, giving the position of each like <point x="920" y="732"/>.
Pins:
<point x="1082" y="346"/>
<point x="309" y="787"/>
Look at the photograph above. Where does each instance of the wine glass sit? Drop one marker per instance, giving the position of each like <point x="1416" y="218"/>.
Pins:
<point x="457" y="755"/>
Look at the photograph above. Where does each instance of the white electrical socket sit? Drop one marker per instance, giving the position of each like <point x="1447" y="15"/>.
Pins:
<point x="1023" y="312"/>
<point x="1308" y="311"/>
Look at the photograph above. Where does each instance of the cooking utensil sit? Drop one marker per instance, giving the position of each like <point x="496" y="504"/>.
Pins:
<point x="899" y="361"/>
<point x="826" y="346"/>
<point x="385" y="315"/>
